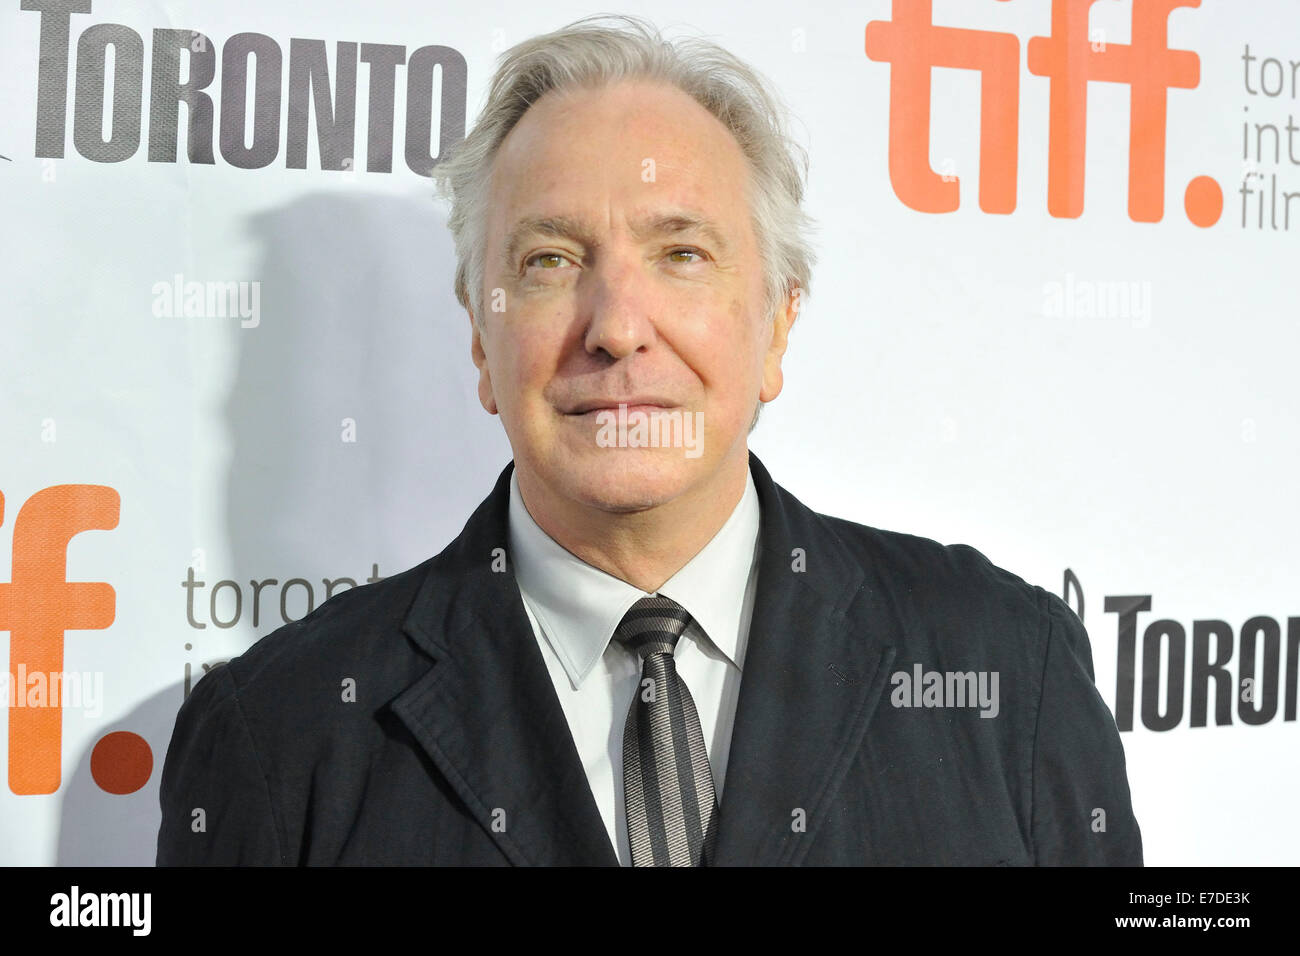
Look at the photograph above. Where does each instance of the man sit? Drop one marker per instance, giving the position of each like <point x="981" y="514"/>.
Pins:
<point x="647" y="652"/>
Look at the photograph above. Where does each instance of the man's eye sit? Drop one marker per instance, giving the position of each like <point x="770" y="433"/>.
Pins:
<point x="546" y="260"/>
<point x="684" y="255"/>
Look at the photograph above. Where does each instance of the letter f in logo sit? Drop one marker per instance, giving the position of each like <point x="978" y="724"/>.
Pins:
<point x="37" y="606"/>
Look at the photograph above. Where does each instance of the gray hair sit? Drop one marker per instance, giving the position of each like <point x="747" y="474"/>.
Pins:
<point x="596" y="51"/>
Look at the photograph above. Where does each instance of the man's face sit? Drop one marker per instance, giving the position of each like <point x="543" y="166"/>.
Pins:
<point x="621" y="265"/>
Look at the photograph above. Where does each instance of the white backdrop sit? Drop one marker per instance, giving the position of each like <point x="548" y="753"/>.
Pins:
<point x="1085" y="392"/>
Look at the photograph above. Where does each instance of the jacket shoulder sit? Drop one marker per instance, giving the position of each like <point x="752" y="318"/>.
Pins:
<point x="354" y="630"/>
<point x="953" y="578"/>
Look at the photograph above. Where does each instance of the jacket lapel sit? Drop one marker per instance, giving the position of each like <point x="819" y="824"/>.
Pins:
<point x="486" y="711"/>
<point x="820" y="646"/>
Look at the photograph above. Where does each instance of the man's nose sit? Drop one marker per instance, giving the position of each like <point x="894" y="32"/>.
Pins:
<point x="620" y="301"/>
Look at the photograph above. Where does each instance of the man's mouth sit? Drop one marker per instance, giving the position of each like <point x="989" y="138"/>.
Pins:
<point x="647" y="404"/>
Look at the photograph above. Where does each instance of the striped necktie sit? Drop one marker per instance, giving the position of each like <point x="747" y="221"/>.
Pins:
<point x="671" y="809"/>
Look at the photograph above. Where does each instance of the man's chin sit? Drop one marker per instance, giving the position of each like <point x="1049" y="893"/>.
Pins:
<point x="628" y="479"/>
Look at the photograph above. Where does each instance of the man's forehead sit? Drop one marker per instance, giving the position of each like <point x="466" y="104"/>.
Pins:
<point x="635" y="134"/>
<point x="632" y="155"/>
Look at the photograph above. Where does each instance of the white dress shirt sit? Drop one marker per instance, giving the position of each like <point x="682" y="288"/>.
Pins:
<point x="574" y="609"/>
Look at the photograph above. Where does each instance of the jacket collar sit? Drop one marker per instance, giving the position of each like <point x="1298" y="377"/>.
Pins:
<point x="820" y="644"/>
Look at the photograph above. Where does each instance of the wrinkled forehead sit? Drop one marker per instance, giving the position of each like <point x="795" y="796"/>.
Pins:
<point x="634" y="148"/>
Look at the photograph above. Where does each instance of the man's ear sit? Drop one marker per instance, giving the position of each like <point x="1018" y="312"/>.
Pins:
<point x="786" y="313"/>
<point x="479" y="355"/>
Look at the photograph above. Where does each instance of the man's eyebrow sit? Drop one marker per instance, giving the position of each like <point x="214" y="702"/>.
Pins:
<point x="556" y="227"/>
<point x="677" y="223"/>
<point x="568" y="227"/>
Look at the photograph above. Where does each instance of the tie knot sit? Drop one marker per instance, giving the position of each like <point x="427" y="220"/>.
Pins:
<point x="652" y="626"/>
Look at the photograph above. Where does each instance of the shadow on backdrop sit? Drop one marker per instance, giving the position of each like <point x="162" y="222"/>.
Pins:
<point x="107" y="829"/>
<point x="357" y="441"/>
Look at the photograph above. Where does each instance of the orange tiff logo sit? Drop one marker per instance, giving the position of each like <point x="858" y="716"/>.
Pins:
<point x="913" y="45"/>
<point x="36" y="607"/>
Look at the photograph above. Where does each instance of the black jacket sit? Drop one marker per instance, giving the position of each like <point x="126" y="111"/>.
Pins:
<point x="456" y="750"/>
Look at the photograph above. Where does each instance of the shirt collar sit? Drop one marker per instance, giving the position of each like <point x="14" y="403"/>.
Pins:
<point x="578" y="606"/>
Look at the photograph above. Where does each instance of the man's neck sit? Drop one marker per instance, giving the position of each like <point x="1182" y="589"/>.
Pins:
<point x="644" y="548"/>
